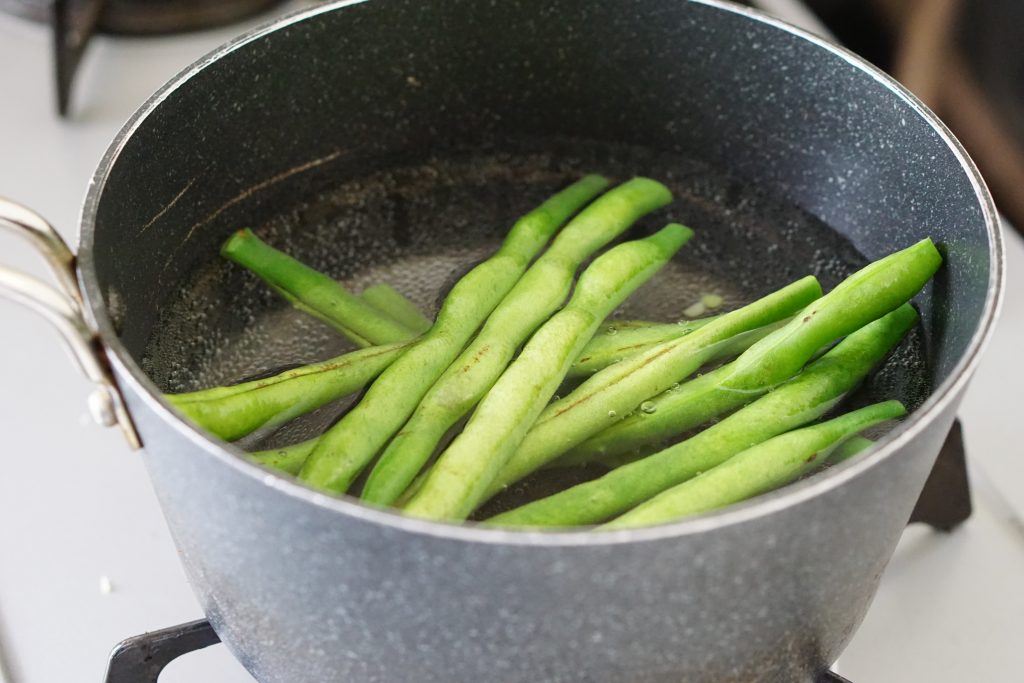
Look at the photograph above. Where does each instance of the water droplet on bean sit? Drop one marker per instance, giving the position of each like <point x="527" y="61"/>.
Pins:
<point x="648" y="407"/>
<point x="612" y="413"/>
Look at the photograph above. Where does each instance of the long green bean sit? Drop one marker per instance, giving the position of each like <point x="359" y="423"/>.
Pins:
<point x="797" y="402"/>
<point x="612" y="393"/>
<point x="460" y="477"/>
<point x="357" y="339"/>
<point x="291" y="280"/>
<point x="850" y="448"/>
<point x="616" y="342"/>
<point x="348" y="447"/>
<point x="616" y="326"/>
<point x="313" y="292"/>
<point x="874" y="290"/>
<point x="389" y="300"/>
<point x="674" y="411"/>
<point x="231" y="412"/>
<point x="288" y="459"/>
<point x="538" y="294"/>
<point x="766" y="466"/>
<point x="213" y="407"/>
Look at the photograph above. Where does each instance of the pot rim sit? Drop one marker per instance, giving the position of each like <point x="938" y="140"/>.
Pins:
<point x="887" y="446"/>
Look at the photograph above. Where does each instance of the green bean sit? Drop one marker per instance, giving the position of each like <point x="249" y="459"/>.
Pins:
<point x="384" y="298"/>
<point x="538" y="294"/>
<point x="674" y="411"/>
<point x="313" y="292"/>
<point x="612" y="393"/>
<point x="232" y="412"/>
<point x="764" y="467"/>
<point x="616" y="342"/>
<point x="359" y="340"/>
<point x="461" y="475"/>
<point x="211" y="412"/>
<point x="616" y="326"/>
<point x="215" y="411"/>
<point x="797" y="402"/>
<point x="389" y="300"/>
<point x="869" y="293"/>
<point x="850" y="448"/>
<point x="288" y="459"/>
<point x="348" y="447"/>
<point x="864" y="296"/>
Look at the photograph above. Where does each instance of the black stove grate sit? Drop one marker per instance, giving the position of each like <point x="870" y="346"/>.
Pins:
<point x="74" y="22"/>
<point x="142" y="658"/>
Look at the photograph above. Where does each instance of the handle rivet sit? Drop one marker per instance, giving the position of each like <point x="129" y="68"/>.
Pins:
<point x="101" y="407"/>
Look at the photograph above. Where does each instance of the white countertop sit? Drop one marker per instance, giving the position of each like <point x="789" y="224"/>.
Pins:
<point x="76" y="504"/>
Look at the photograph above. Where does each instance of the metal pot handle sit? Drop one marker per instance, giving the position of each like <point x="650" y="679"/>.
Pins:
<point x="63" y="308"/>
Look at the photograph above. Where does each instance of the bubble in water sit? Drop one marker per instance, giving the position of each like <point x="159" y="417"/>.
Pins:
<point x="648" y="407"/>
<point x="612" y="413"/>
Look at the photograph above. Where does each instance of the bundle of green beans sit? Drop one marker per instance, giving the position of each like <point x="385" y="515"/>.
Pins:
<point x="760" y="468"/>
<point x="795" y="403"/>
<point x="234" y="411"/>
<point x="621" y="388"/>
<point x="348" y="447"/>
<point x="503" y="343"/>
<point x="462" y="474"/>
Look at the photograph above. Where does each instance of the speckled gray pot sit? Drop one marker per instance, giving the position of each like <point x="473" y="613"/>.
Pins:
<point x="308" y="588"/>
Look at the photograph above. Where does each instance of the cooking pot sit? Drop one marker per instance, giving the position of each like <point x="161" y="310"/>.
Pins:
<point x="304" y="586"/>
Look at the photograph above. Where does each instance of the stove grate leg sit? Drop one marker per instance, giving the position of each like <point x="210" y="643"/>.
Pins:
<point x="142" y="658"/>
<point x="945" y="501"/>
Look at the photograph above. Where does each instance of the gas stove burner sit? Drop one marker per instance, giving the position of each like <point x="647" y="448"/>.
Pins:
<point x="943" y="505"/>
<point x="76" y="21"/>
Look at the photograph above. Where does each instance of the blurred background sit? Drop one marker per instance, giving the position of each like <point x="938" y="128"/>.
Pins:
<point x="961" y="57"/>
<point x="964" y="59"/>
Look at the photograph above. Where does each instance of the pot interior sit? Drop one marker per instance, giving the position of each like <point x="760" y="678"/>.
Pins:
<point x="421" y="225"/>
<point x="395" y="141"/>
